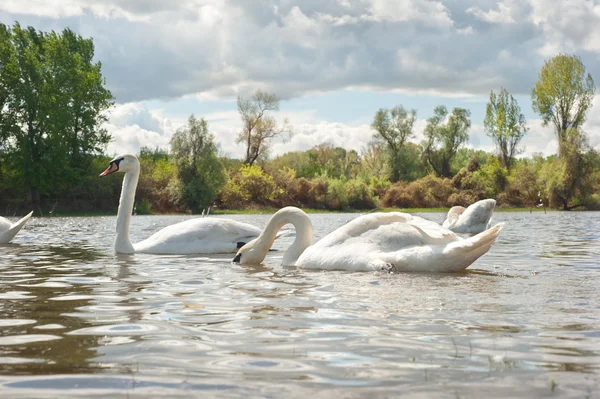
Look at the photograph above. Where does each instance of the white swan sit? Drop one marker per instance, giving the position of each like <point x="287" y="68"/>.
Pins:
<point x="392" y="241"/>
<point x="195" y="236"/>
<point x="472" y="220"/>
<point x="8" y="230"/>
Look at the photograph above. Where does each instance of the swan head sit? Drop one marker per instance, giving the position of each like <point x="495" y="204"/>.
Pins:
<point x="249" y="254"/>
<point x="122" y="163"/>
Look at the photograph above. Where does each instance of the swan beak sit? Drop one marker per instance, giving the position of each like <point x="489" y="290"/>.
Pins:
<point x="237" y="258"/>
<point x="112" y="168"/>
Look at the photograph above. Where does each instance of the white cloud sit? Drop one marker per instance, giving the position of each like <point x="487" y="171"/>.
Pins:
<point x="217" y="49"/>
<point x="134" y="125"/>
<point x="503" y="15"/>
<point x="221" y="48"/>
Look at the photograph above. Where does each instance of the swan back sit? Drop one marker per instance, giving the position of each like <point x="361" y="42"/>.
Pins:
<point x="199" y="235"/>
<point x="409" y="243"/>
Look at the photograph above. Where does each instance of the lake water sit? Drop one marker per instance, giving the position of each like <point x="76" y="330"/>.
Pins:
<point x="78" y="320"/>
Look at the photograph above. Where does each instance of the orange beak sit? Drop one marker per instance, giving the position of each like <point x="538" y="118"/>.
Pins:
<point x="112" y="168"/>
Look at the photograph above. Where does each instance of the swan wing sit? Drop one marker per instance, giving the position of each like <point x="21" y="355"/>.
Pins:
<point x="356" y="245"/>
<point x="414" y="244"/>
<point x="476" y="218"/>
<point x="199" y="236"/>
<point x="9" y="230"/>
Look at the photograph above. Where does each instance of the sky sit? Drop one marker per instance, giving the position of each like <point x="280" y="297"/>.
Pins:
<point x="333" y="63"/>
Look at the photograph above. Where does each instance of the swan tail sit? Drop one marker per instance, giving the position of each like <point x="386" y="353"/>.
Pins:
<point x="461" y="254"/>
<point x="9" y="234"/>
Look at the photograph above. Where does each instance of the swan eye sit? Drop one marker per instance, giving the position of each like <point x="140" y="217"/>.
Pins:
<point x="237" y="258"/>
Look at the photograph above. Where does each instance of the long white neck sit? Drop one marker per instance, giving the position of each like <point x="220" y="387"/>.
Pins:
<point x="123" y="243"/>
<point x="304" y="233"/>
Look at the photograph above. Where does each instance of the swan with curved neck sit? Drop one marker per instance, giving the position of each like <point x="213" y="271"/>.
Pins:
<point x="472" y="220"/>
<point x="195" y="236"/>
<point x="392" y="241"/>
<point x="9" y="230"/>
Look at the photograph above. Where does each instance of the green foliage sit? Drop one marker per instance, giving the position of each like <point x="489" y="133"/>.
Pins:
<point x="360" y="195"/>
<point x="505" y="124"/>
<point x="143" y="207"/>
<point x="490" y="179"/>
<point x="52" y="102"/>
<point x="443" y="139"/>
<point x="563" y="94"/>
<point x="199" y="170"/>
<point x="256" y="185"/>
<point x="393" y="128"/>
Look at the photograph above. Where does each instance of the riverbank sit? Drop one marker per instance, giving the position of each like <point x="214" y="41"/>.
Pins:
<point x="268" y="211"/>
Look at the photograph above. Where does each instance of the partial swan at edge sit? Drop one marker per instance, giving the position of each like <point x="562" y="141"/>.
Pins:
<point x="195" y="236"/>
<point x="9" y="230"/>
<point x="476" y="218"/>
<point x="392" y="241"/>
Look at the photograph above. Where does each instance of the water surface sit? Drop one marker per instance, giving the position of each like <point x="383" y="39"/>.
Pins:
<point x="78" y="320"/>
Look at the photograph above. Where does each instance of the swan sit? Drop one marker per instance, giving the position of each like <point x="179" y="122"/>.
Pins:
<point x="195" y="236"/>
<point x="392" y="242"/>
<point x="472" y="220"/>
<point x="8" y="230"/>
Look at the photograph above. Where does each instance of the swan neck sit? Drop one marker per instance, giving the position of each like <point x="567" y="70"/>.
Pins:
<point x="304" y="233"/>
<point x="130" y="181"/>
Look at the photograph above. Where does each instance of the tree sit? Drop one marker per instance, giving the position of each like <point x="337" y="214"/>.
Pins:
<point x="53" y="101"/>
<point x="259" y="127"/>
<point x="442" y="140"/>
<point x="394" y="127"/>
<point x="505" y="124"/>
<point x="201" y="174"/>
<point x="562" y="95"/>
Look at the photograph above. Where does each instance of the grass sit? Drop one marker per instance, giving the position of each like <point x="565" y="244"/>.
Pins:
<point x="268" y="211"/>
<point x="264" y="211"/>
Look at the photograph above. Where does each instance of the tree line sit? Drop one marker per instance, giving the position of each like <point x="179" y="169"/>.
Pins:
<point x="53" y="103"/>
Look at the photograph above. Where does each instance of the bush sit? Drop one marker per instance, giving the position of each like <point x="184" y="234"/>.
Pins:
<point x="359" y="195"/>
<point x="336" y="197"/>
<point x="143" y="207"/>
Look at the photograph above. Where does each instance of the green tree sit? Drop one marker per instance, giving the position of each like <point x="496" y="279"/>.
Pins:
<point x="505" y="124"/>
<point x="52" y="100"/>
<point x="394" y="127"/>
<point x="562" y="95"/>
<point x="201" y="174"/>
<point x="259" y="126"/>
<point x="444" y="138"/>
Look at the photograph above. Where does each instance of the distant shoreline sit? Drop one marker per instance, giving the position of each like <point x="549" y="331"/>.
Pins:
<point x="268" y="211"/>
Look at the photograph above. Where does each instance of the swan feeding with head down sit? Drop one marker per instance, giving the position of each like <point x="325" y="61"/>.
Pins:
<point x="472" y="220"/>
<point x="195" y="236"/>
<point x="392" y="242"/>
<point x="9" y="230"/>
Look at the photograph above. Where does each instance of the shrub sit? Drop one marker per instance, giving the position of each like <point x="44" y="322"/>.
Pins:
<point x="359" y="195"/>
<point x="336" y="197"/>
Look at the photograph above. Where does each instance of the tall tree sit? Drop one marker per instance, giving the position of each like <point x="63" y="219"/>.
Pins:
<point x="505" y="124"/>
<point x="394" y="127"/>
<point x="53" y="100"/>
<point x="444" y="138"/>
<point x="562" y="95"/>
<point x="259" y="126"/>
<point x="201" y="174"/>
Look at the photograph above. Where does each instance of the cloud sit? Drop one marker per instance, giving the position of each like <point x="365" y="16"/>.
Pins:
<point x="222" y="48"/>
<point x="133" y="126"/>
<point x="503" y="15"/>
